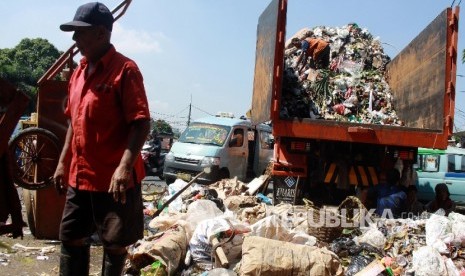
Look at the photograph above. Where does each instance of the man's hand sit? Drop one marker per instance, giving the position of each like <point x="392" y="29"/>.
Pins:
<point x="119" y="183"/>
<point x="59" y="179"/>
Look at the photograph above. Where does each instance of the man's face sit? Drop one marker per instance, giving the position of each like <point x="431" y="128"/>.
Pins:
<point x="87" y="40"/>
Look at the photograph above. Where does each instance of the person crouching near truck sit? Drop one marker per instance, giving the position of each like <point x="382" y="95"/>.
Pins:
<point x="389" y="196"/>
<point x="315" y="53"/>
<point x="441" y="201"/>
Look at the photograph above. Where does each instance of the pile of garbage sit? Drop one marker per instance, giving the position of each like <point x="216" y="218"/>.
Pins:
<point x="230" y="228"/>
<point x="352" y="89"/>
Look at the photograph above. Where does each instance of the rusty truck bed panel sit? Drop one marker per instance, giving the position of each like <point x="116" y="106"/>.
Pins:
<point x="422" y="77"/>
<point x="269" y="59"/>
<point x="417" y="77"/>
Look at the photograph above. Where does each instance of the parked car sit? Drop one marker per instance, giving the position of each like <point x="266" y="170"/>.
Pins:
<point x="441" y="166"/>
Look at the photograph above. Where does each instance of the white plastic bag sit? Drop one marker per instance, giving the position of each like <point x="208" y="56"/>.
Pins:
<point x="200" y="244"/>
<point x="373" y="237"/>
<point x="458" y="227"/>
<point x="198" y="211"/>
<point x="428" y="262"/>
<point x="438" y="232"/>
<point x="173" y="188"/>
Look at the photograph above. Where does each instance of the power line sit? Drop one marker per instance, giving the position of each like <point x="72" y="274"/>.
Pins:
<point x="170" y="115"/>
<point x="199" y="109"/>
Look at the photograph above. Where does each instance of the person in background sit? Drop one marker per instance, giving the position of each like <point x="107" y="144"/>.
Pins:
<point x="442" y="200"/>
<point x="413" y="205"/>
<point x="389" y="196"/>
<point x="409" y="176"/>
<point x="100" y="166"/>
<point x="237" y="140"/>
<point x="315" y="48"/>
<point x="10" y="204"/>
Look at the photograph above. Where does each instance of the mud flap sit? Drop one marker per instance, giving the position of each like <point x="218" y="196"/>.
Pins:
<point x="287" y="189"/>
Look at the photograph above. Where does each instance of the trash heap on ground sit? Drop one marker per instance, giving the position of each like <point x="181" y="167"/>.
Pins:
<point x="230" y="228"/>
<point x="352" y="89"/>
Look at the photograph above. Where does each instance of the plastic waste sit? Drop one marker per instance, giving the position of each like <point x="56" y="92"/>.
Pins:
<point x="373" y="237"/>
<point x="458" y="227"/>
<point x="428" y="262"/>
<point x="438" y="232"/>
<point x="219" y="272"/>
<point x="264" y="199"/>
<point x="155" y="269"/>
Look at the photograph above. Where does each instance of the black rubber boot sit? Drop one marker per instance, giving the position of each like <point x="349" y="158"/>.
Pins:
<point x="113" y="264"/>
<point x="74" y="260"/>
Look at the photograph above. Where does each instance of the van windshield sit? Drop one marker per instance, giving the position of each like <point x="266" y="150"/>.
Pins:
<point x="205" y="134"/>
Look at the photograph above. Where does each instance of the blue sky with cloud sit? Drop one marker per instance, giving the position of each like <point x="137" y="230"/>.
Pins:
<point x="204" y="50"/>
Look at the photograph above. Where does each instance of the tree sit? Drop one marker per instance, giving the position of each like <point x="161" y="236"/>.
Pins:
<point x="24" y="64"/>
<point x="161" y="126"/>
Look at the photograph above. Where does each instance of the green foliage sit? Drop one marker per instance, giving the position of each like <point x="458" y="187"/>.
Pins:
<point x="463" y="56"/>
<point x="161" y="126"/>
<point x="24" y="64"/>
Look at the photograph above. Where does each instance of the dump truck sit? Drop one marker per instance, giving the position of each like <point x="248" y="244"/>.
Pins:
<point x="310" y="153"/>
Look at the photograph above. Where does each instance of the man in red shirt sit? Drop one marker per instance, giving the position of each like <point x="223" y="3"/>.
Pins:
<point x="100" y="166"/>
<point x="315" y="48"/>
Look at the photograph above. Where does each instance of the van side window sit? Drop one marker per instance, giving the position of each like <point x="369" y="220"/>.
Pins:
<point x="250" y="135"/>
<point x="430" y="163"/>
<point x="237" y="140"/>
<point x="455" y="163"/>
<point x="462" y="163"/>
<point x="451" y="163"/>
<point x="266" y="140"/>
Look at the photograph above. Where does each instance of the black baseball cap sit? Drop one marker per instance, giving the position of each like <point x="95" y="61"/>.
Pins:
<point x="88" y="15"/>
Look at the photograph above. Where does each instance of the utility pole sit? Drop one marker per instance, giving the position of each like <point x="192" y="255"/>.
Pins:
<point x="189" y="116"/>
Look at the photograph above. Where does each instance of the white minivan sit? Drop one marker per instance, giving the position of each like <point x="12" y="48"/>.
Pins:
<point x="441" y="166"/>
<point x="238" y="149"/>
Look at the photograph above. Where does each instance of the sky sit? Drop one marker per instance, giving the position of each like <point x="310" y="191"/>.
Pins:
<point x="201" y="53"/>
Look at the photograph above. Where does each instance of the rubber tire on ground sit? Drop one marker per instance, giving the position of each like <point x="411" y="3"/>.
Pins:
<point x="46" y="163"/>
<point x="28" y="199"/>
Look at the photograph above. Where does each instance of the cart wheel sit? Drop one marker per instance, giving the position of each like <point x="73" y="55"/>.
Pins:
<point x="33" y="154"/>
<point x="28" y="199"/>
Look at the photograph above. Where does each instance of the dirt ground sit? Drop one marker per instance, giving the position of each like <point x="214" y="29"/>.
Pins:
<point x="26" y="258"/>
<point x="37" y="257"/>
<point x="31" y="257"/>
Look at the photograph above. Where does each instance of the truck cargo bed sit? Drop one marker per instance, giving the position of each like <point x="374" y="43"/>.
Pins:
<point x="421" y="77"/>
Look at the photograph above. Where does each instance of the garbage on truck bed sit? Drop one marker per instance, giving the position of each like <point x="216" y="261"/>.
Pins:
<point x="249" y="237"/>
<point x="352" y="88"/>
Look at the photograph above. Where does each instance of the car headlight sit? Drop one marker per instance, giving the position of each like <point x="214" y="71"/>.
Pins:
<point x="169" y="156"/>
<point x="210" y="161"/>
